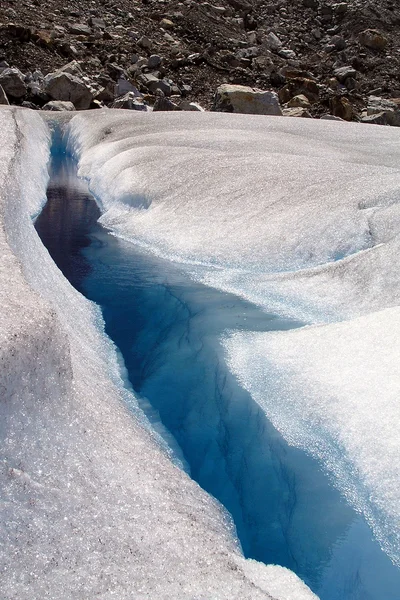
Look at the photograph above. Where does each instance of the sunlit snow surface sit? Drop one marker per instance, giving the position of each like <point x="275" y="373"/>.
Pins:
<point x="302" y="218"/>
<point x="91" y="505"/>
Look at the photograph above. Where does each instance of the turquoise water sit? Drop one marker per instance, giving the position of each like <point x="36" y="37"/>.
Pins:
<point x="168" y="329"/>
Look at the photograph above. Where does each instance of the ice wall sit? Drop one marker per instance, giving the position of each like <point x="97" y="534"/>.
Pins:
<point x="301" y="217"/>
<point x="91" y="505"/>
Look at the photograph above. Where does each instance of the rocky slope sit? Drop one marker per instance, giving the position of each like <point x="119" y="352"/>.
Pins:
<point x="319" y="56"/>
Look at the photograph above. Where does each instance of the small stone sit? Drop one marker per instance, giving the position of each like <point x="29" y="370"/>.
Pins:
<point x="342" y="73"/>
<point x="79" y="29"/>
<point x="145" y="42"/>
<point x="272" y="41"/>
<point x="97" y="23"/>
<point x="167" y="24"/>
<point x="311" y="4"/>
<point x="154" y="61"/>
<point x="329" y="117"/>
<point x="287" y="54"/>
<point x="191" y="106"/>
<point x="371" y="38"/>
<point x="59" y="106"/>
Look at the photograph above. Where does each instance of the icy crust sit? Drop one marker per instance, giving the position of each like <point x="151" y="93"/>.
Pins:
<point x="90" y="506"/>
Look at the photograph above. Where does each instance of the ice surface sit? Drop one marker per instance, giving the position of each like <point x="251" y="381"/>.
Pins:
<point x="298" y="216"/>
<point x="91" y="505"/>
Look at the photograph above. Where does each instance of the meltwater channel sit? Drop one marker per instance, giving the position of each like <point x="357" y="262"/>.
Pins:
<point x="168" y="328"/>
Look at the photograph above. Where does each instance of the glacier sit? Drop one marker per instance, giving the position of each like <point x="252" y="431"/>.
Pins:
<point x="91" y="503"/>
<point x="299" y="218"/>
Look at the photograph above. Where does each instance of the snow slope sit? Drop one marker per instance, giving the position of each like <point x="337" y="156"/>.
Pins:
<point x="300" y="217"/>
<point x="91" y="505"/>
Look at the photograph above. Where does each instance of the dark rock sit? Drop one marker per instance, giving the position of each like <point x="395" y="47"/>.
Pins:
<point x="371" y="38"/>
<point x="130" y="102"/>
<point x="59" y="106"/>
<point x="13" y="83"/>
<point x="63" y="86"/>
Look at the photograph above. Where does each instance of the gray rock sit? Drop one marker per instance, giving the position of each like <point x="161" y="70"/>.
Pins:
<point x="30" y="105"/>
<point x="154" y="61"/>
<point x="272" y="41"/>
<point x="73" y="68"/>
<point x="3" y="97"/>
<point x="145" y="42"/>
<point x="130" y="102"/>
<point x="63" y="86"/>
<point x="338" y="42"/>
<point x="13" y="83"/>
<point x="97" y="23"/>
<point x="79" y="29"/>
<point x="4" y="65"/>
<point x="124" y="86"/>
<point x="286" y="53"/>
<point x="191" y="106"/>
<point x="377" y="105"/>
<point x="375" y="119"/>
<point x="164" y="104"/>
<point x="59" y="106"/>
<point x="297" y="111"/>
<point x="311" y="4"/>
<point x="343" y="73"/>
<point x="246" y="100"/>
<point x="153" y="84"/>
<point x="329" y="117"/>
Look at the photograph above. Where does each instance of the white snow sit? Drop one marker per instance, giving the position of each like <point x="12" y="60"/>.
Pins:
<point x="301" y="217"/>
<point x="91" y="505"/>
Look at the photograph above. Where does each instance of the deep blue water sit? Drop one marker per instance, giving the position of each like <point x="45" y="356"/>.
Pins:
<point x="168" y="329"/>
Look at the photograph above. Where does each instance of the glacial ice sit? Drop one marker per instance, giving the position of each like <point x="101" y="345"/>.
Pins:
<point x="302" y="218"/>
<point x="91" y="504"/>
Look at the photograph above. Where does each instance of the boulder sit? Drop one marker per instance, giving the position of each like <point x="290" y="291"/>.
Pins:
<point x="13" y="83"/>
<point x="380" y="106"/>
<point x="299" y="101"/>
<point x="191" y="106"/>
<point x="372" y="38"/>
<point x="341" y="107"/>
<point x="299" y="85"/>
<point x="297" y="111"/>
<point x="130" y="102"/>
<point x="246" y="100"/>
<point x="66" y="87"/>
<point x="59" y="106"/>
<point x="3" y="97"/>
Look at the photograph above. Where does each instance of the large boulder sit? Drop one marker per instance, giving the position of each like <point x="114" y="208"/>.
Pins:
<point x="387" y="110"/>
<point x="246" y="100"/>
<point x="67" y="87"/>
<point x="13" y="83"/>
<point x="59" y="106"/>
<point x="3" y="97"/>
